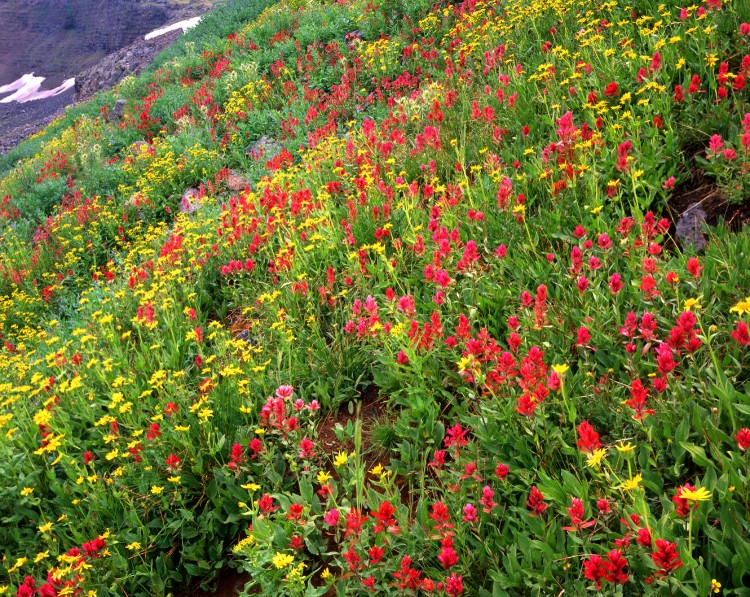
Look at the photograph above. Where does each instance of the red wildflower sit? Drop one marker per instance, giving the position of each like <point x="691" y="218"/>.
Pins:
<point x="694" y="267"/>
<point x="611" y="90"/>
<point x="576" y="513"/>
<point x="265" y="503"/>
<point x="408" y="577"/>
<point x="595" y="569"/>
<point x="385" y="518"/>
<point x="454" y="585"/>
<point x="535" y="501"/>
<point x="588" y="438"/>
<point x="440" y="514"/>
<point x="743" y="438"/>
<point x="173" y="462"/>
<point x="295" y="512"/>
<point x="487" y="499"/>
<point x="616" y="565"/>
<point x="644" y="537"/>
<point x="666" y="557"/>
<point x="501" y="471"/>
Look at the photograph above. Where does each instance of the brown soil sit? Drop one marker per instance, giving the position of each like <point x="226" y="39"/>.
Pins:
<point x="230" y="584"/>
<point x="703" y="191"/>
<point x="372" y="408"/>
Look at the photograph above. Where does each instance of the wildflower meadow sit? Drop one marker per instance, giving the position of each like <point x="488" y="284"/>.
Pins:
<point x="385" y="297"/>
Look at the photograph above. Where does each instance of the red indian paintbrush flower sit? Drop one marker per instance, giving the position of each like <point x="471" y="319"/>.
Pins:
<point x="743" y="438"/>
<point x="535" y="501"/>
<point x="666" y="557"/>
<point x="588" y="438"/>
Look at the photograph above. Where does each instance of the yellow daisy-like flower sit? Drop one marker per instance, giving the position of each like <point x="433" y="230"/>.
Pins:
<point x="340" y="459"/>
<point x="376" y="470"/>
<point x="560" y="369"/>
<point x="699" y="494"/>
<point x="282" y="560"/>
<point x="326" y="574"/>
<point x="46" y="527"/>
<point x="134" y="546"/>
<point x="156" y="490"/>
<point x="632" y="484"/>
<point x="596" y="458"/>
<point x="715" y="585"/>
<point x="323" y="477"/>
<point x="26" y="491"/>
<point x="692" y="303"/>
<point x="625" y="448"/>
<point x="19" y="562"/>
<point x="251" y="486"/>
<point x="741" y="307"/>
<point x="42" y="555"/>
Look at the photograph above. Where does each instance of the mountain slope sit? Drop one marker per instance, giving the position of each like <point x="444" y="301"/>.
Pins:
<point x="364" y="297"/>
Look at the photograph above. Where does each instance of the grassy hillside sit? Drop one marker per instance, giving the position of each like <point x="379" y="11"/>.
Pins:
<point x="382" y="297"/>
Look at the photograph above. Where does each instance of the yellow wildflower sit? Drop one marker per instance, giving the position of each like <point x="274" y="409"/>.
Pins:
<point x="741" y="307"/>
<point x="692" y="303"/>
<point x="340" y="459"/>
<point x="282" y="560"/>
<point x="631" y="484"/>
<point x="596" y="458"/>
<point x="699" y="494"/>
<point x="42" y="555"/>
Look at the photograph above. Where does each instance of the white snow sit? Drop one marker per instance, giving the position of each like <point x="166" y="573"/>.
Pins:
<point x="184" y="25"/>
<point x="27" y="89"/>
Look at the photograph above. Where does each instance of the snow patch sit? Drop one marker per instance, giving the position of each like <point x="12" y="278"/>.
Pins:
<point x="184" y="25"/>
<point x="26" y="89"/>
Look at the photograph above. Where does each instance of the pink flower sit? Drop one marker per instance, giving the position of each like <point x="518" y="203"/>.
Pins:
<point x="331" y="517"/>
<point x="669" y="183"/>
<point x="745" y="29"/>
<point x="715" y="143"/>
<point x="470" y="513"/>
<point x="615" y="283"/>
<point x="487" y="501"/>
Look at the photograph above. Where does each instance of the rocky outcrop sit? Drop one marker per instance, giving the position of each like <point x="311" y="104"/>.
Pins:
<point x="20" y="120"/>
<point x="130" y="59"/>
<point x="58" y="38"/>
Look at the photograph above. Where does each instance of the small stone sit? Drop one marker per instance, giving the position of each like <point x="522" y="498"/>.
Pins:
<point x="191" y="201"/>
<point x="266" y="147"/>
<point x="235" y="182"/>
<point x="690" y="227"/>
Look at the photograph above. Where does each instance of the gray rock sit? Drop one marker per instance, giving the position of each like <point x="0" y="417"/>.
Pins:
<point x="690" y="227"/>
<point x="266" y="147"/>
<point x="190" y="202"/>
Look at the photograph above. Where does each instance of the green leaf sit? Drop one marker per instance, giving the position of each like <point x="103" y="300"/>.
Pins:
<point x="698" y="453"/>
